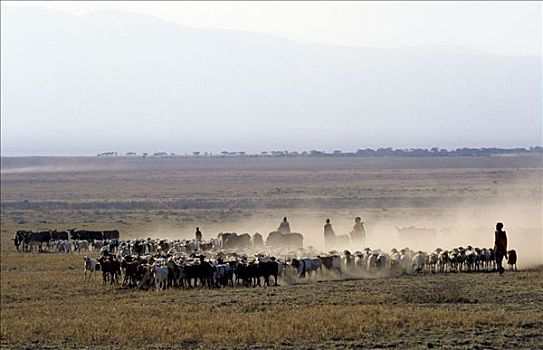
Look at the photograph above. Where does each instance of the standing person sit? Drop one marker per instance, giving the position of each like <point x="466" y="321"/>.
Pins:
<point x="284" y="227"/>
<point x="198" y="234"/>
<point x="358" y="234"/>
<point x="329" y="234"/>
<point x="500" y="246"/>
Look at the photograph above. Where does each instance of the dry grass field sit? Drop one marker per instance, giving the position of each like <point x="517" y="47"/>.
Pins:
<point x="46" y="303"/>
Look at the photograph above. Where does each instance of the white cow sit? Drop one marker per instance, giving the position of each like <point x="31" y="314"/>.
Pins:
<point x="307" y="265"/>
<point x="104" y="250"/>
<point x="221" y="274"/>
<point x="91" y="265"/>
<point x="419" y="261"/>
<point x="372" y="261"/>
<point x="81" y="245"/>
<point x="405" y="262"/>
<point x="161" y="277"/>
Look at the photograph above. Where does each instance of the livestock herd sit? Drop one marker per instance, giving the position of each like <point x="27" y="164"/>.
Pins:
<point x="233" y="260"/>
<point x="57" y="241"/>
<point x="187" y="266"/>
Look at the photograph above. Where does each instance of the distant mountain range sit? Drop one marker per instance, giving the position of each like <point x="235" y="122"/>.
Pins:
<point x="116" y="80"/>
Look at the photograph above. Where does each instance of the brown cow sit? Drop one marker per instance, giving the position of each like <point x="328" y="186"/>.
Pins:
<point x="512" y="259"/>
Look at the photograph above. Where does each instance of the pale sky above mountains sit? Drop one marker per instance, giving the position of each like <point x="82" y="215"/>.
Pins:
<point x="501" y="27"/>
<point x="183" y="77"/>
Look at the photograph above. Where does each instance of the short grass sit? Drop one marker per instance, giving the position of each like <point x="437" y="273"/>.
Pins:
<point x="47" y="303"/>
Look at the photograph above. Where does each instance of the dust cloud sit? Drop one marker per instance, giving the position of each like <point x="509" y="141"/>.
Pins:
<point x="426" y="228"/>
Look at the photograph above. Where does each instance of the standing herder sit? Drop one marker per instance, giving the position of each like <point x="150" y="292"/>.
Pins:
<point x="284" y="227"/>
<point x="358" y="234"/>
<point x="198" y="234"/>
<point x="329" y="235"/>
<point x="500" y="246"/>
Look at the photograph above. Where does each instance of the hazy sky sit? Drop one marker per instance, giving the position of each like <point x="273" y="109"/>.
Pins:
<point x="495" y="27"/>
<point x="140" y="78"/>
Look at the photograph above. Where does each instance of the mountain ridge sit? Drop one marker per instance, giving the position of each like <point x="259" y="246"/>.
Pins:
<point x="100" y="84"/>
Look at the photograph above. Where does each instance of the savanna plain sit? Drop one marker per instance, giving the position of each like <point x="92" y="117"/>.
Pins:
<point x="47" y="304"/>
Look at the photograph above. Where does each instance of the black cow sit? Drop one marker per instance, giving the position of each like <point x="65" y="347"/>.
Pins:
<point x="109" y="235"/>
<point x="233" y="240"/>
<point x="292" y="240"/>
<point x="38" y="239"/>
<point x="62" y="235"/>
<point x="267" y="269"/>
<point x="202" y="272"/>
<point x="111" y="268"/>
<point x="21" y="237"/>
<point x="258" y="242"/>
<point x="89" y="236"/>
<point x="247" y="273"/>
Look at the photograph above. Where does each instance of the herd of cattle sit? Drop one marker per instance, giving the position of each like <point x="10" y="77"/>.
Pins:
<point x="226" y="261"/>
<point x="165" y="264"/>
<point x="57" y="241"/>
<point x="85" y="240"/>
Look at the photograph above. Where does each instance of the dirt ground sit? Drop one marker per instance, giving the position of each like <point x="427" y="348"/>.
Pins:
<point x="45" y="302"/>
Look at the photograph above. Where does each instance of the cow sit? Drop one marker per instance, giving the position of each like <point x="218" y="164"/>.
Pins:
<point x="267" y="267"/>
<point x="246" y="273"/>
<point x="111" y="268"/>
<point x="86" y="235"/>
<point x="331" y="263"/>
<point x="60" y="246"/>
<point x="383" y="261"/>
<point x="471" y="259"/>
<point x="405" y="261"/>
<point x="443" y="260"/>
<point x="130" y="272"/>
<point x="146" y="272"/>
<point x="258" y="242"/>
<point x="280" y="240"/>
<point x="21" y="238"/>
<point x="111" y="234"/>
<point x="174" y="273"/>
<point x="419" y="261"/>
<point x="199" y="271"/>
<point x="233" y="240"/>
<point x="81" y="245"/>
<point x="222" y="275"/>
<point x="39" y="238"/>
<point x="161" y="277"/>
<point x="307" y="266"/>
<point x="59" y="236"/>
<point x="512" y="259"/>
<point x="432" y="261"/>
<point x="348" y="260"/>
<point x="90" y="265"/>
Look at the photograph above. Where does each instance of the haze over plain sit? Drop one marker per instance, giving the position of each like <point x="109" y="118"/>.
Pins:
<point x="118" y="81"/>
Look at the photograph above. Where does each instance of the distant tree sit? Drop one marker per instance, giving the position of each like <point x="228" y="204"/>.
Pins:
<point x="196" y="154"/>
